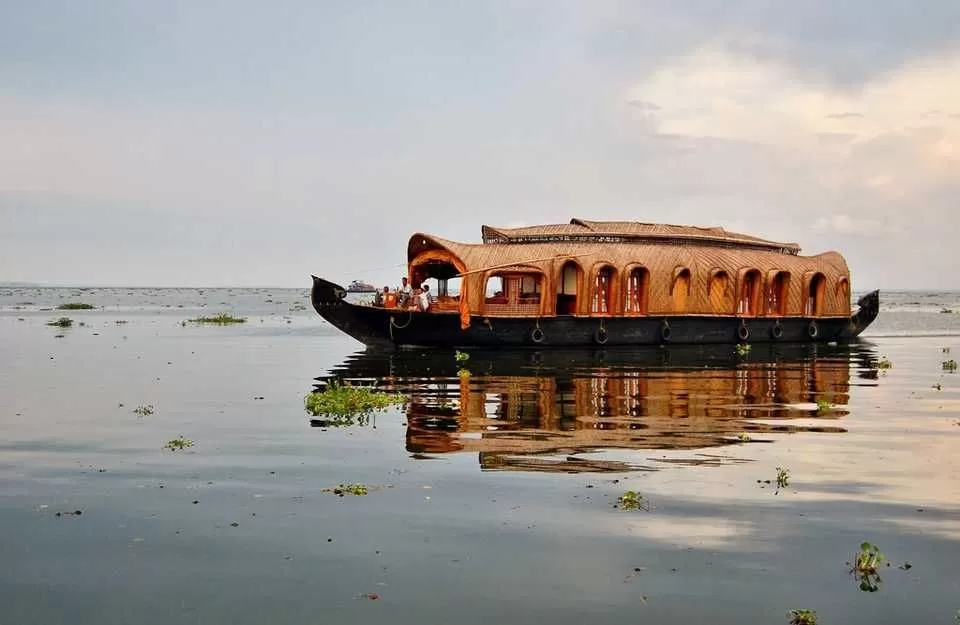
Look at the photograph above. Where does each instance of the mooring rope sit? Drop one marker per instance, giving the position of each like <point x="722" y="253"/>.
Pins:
<point x="393" y="323"/>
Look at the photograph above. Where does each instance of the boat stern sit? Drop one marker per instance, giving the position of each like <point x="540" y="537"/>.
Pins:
<point x="868" y="307"/>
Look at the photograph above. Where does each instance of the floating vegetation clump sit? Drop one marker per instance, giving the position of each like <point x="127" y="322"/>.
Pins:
<point x="76" y="306"/>
<point x="348" y="489"/>
<point x="802" y="617"/>
<point x="823" y="406"/>
<point x="884" y="363"/>
<point x="343" y="402"/>
<point x="219" y="319"/>
<point x="62" y="322"/>
<point x="783" y="477"/>
<point x="743" y="437"/>
<point x="950" y="365"/>
<point x="463" y="372"/>
<point x="461" y="356"/>
<point x="144" y="411"/>
<point x="866" y="566"/>
<point x="178" y="444"/>
<point x="742" y="349"/>
<point x="632" y="500"/>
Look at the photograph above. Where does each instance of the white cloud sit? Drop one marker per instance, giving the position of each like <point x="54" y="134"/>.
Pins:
<point x="857" y="226"/>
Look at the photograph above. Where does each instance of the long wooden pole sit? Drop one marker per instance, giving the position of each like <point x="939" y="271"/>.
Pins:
<point x="537" y="260"/>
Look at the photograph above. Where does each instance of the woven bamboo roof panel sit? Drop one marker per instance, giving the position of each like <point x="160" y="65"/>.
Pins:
<point x="655" y="257"/>
<point x="630" y="232"/>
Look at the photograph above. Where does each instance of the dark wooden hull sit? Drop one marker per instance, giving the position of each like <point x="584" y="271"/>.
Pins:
<point x="402" y="328"/>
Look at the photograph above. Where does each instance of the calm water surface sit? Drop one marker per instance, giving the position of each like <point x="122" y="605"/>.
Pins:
<point x="492" y="489"/>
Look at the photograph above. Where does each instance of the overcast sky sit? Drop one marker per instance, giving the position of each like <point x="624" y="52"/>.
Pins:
<point x="223" y="142"/>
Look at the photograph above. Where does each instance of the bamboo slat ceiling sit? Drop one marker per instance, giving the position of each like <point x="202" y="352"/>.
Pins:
<point x="628" y="231"/>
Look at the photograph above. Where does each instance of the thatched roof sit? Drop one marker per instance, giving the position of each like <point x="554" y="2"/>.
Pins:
<point x="631" y="232"/>
<point x="653" y="255"/>
<point x="662" y="250"/>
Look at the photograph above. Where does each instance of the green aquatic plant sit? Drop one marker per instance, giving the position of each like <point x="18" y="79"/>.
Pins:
<point x="62" y="322"/>
<point x="75" y="306"/>
<point x="742" y="349"/>
<point x="950" y="365"/>
<point x="783" y="477"/>
<point x="823" y="405"/>
<point x="884" y="363"/>
<point x="348" y="489"/>
<point x="802" y="617"/>
<point x="461" y="356"/>
<point x="463" y="372"/>
<point x="178" y="444"/>
<point x="632" y="500"/>
<point x="743" y="437"/>
<point x="344" y="400"/>
<point x="866" y="566"/>
<point x="219" y="319"/>
<point x="144" y="411"/>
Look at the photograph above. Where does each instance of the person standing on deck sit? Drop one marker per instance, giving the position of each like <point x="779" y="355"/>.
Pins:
<point x="424" y="299"/>
<point x="406" y="292"/>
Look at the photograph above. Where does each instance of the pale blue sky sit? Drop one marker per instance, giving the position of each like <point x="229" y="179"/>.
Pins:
<point x="251" y="143"/>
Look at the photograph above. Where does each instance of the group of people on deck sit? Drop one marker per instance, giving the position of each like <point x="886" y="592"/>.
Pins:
<point x="405" y="296"/>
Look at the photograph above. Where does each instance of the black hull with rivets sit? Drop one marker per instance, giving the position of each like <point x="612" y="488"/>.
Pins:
<point x="403" y="328"/>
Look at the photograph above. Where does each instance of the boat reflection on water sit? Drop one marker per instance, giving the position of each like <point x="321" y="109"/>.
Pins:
<point x="567" y="411"/>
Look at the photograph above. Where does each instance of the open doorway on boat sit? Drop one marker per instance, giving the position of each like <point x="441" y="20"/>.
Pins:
<point x="567" y="288"/>
<point x="814" y="299"/>
<point x="444" y="282"/>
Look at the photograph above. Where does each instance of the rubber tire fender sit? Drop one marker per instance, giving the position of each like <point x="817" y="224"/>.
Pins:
<point x="600" y="336"/>
<point x="536" y="335"/>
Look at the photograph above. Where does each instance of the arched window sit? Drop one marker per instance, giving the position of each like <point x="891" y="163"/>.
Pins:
<point x="719" y="292"/>
<point x="635" y="302"/>
<point x="602" y="300"/>
<point x="749" y="289"/>
<point x="680" y="289"/>
<point x="777" y="289"/>
<point x="813" y="305"/>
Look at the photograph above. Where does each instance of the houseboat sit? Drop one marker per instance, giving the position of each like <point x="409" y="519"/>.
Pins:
<point x="358" y="286"/>
<point x="593" y="283"/>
